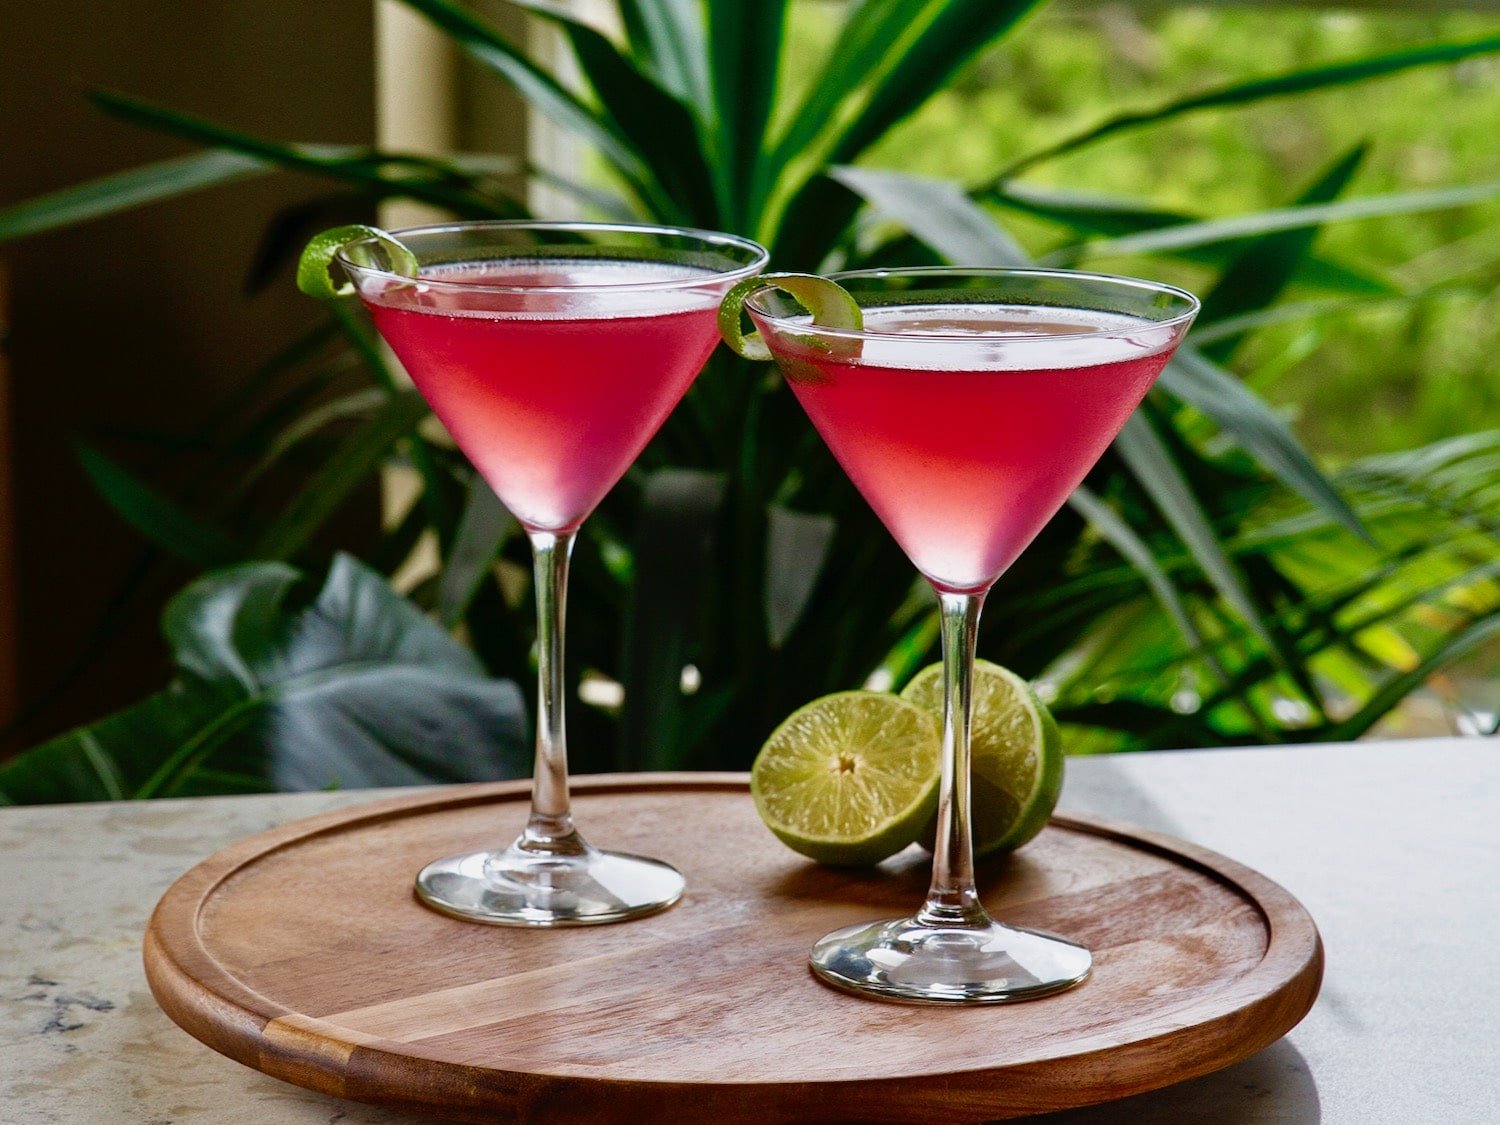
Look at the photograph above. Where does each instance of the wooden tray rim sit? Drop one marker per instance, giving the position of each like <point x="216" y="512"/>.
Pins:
<point x="217" y="1008"/>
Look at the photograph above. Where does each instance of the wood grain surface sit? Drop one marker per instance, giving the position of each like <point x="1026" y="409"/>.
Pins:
<point x="302" y="952"/>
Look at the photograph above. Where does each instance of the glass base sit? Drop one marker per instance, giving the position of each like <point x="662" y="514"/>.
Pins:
<point x="523" y="886"/>
<point x="917" y="962"/>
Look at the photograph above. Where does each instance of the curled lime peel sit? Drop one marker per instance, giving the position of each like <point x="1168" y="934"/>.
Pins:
<point x="829" y="303"/>
<point x="313" y="276"/>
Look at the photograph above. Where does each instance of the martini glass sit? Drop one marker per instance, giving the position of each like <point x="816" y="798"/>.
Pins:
<point x="965" y="411"/>
<point x="552" y="352"/>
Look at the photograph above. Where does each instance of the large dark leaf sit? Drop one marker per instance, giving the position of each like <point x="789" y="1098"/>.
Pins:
<point x="1119" y="534"/>
<point x="1159" y="474"/>
<point x="357" y="689"/>
<point x="1245" y="415"/>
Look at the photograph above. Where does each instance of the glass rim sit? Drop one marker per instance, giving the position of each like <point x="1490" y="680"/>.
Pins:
<point x="711" y="238"/>
<point x="803" y="328"/>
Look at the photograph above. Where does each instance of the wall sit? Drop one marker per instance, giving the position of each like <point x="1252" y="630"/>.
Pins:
<point x="137" y="325"/>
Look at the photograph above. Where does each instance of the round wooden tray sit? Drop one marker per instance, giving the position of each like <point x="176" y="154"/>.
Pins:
<point x="303" y="952"/>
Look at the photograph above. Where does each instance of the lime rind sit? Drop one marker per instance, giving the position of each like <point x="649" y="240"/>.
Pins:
<point x="850" y="778"/>
<point x="1017" y="767"/>
<point x="313" y="276"/>
<point x="830" y="304"/>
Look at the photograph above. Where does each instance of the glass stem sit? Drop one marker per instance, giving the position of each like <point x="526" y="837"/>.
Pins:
<point x="953" y="899"/>
<point x="550" y="828"/>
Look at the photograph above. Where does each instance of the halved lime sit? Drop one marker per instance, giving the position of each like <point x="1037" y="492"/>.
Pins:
<point x="849" y="779"/>
<point x="1017" y="755"/>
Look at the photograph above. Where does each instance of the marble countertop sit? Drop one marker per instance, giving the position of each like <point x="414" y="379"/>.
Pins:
<point x="1393" y="847"/>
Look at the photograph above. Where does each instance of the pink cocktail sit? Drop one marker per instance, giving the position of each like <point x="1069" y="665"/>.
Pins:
<point x="551" y="389"/>
<point x="966" y="409"/>
<point x="552" y="352"/>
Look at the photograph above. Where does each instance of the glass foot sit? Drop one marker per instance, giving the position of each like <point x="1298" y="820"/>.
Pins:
<point x="525" y="887"/>
<point x="920" y="963"/>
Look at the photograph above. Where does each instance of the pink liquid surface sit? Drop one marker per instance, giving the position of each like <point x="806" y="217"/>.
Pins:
<point x="966" y="461"/>
<point x="551" y="395"/>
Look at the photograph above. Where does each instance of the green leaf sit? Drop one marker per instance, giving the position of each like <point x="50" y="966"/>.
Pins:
<point x="357" y="689"/>
<point x="668" y="36"/>
<point x="1281" y="85"/>
<point x="939" y="213"/>
<point x="160" y="519"/>
<point x="1159" y="474"/>
<point x="744" y="44"/>
<point x="385" y="174"/>
<point x="797" y="546"/>
<point x="307" y="423"/>
<point x="958" y="31"/>
<point x="942" y="216"/>
<point x="483" y="528"/>
<point x="1256" y="276"/>
<point x="123" y="190"/>
<point x="1232" y="326"/>
<point x="955" y="32"/>
<point x="489" y="48"/>
<point x="1240" y="227"/>
<point x="355" y="459"/>
<point x="869" y="39"/>
<point x="1467" y="640"/>
<point x="1101" y="214"/>
<point x="357" y="330"/>
<point x="1091" y="213"/>
<point x="1120" y="535"/>
<point x="657" y="126"/>
<point x="1251" y="421"/>
<point x="673" y="549"/>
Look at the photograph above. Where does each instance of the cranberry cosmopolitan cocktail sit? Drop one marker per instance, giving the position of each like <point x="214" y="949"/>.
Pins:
<point x="965" y="408"/>
<point x="967" y="461"/>
<point x="552" y="352"/>
<point x="550" y="385"/>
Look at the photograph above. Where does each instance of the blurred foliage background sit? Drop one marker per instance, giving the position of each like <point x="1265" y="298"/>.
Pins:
<point x="1213" y="583"/>
<point x="1369" y="378"/>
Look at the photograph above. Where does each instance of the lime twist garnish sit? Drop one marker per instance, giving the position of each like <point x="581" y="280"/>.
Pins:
<point x="313" y="277"/>
<point x="829" y="303"/>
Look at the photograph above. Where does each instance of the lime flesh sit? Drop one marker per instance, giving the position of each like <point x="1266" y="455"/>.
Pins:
<point x="1016" y="751"/>
<point x="850" y="778"/>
